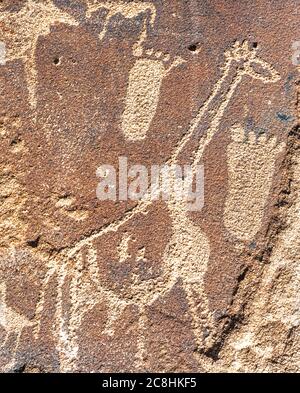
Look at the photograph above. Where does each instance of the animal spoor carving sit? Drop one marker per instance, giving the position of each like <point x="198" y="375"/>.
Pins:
<point x="145" y="80"/>
<point x="251" y="163"/>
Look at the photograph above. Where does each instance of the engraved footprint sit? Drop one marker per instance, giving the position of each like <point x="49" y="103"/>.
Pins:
<point x="145" y="79"/>
<point x="251" y="163"/>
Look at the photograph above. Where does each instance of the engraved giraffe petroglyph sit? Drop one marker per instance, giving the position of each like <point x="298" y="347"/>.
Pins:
<point x="187" y="261"/>
<point x="192" y="254"/>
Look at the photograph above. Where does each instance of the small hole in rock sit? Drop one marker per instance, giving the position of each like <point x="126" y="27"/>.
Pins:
<point x="20" y="369"/>
<point x="255" y="45"/>
<point x="56" y="60"/>
<point x="193" y="47"/>
<point x="34" y="243"/>
<point x="15" y="141"/>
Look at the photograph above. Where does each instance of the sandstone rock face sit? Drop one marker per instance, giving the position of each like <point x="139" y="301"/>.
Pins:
<point x="91" y="285"/>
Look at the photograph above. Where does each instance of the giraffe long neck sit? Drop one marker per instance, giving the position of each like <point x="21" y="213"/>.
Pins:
<point x="212" y="110"/>
<point x="215" y="117"/>
<point x="209" y="115"/>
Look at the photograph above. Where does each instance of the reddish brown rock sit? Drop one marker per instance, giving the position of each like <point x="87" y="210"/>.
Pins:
<point x="91" y="285"/>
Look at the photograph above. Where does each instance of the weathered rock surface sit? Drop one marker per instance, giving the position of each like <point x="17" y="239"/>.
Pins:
<point x="91" y="285"/>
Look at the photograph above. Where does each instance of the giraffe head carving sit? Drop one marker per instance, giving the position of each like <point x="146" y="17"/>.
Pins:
<point x="250" y="64"/>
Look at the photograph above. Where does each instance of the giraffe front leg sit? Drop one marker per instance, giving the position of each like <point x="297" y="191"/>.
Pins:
<point x="201" y="318"/>
<point x="141" y="339"/>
